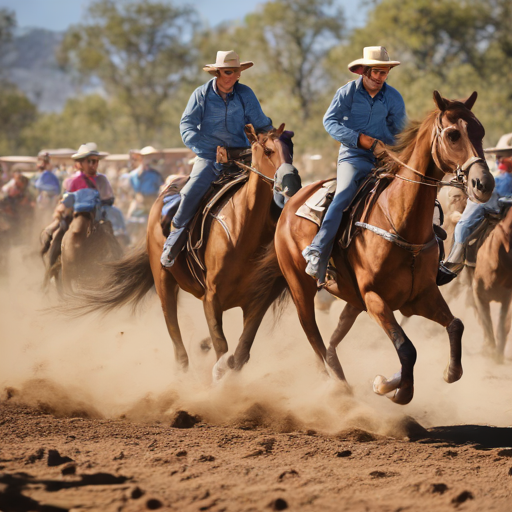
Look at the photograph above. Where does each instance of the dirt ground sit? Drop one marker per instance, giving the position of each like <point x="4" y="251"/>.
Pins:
<point x="94" y="415"/>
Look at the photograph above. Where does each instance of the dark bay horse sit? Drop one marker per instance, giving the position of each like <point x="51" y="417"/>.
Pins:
<point x="236" y="271"/>
<point x="378" y="276"/>
<point x="492" y="281"/>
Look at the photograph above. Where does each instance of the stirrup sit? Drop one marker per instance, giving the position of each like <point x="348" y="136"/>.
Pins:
<point x="445" y="275"/>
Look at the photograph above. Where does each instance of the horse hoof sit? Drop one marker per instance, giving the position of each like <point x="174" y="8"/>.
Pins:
<point x="383" y="386"/>
<point x="452" y="375"/>
<point x="403" y="395"/>
<point x="220" y="368"/>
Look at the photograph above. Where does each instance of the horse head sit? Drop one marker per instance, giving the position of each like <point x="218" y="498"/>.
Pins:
<point x="270" y="149"/>
<point x="457" y="145"/>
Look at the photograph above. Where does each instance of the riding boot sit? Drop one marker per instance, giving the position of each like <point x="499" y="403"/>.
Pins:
<point x="173" y="245"/>
<point x="452" y="266"/>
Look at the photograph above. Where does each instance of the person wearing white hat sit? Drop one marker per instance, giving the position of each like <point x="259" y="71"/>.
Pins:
<point x="363" y="113"/>
<point x="475" y="213"/>
<point x="216" y="115"/>
<point x="145" y="181"/>
<point x="86" y="163"/>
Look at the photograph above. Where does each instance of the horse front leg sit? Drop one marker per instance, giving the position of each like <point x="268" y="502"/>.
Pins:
<point x="431" y="305"/>
<point x="347" y="318"/>
<point x="483" y="309"/>
<point x="403" y="381"/>
<point x="213" y="312"/>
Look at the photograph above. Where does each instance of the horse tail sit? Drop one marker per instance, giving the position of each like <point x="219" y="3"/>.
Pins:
<point x="125" y="282"/>
<point x="271" y="281"/>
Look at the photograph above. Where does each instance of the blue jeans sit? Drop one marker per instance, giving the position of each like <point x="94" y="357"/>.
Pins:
<point x="203" y="174"/>
<point x="472" y="216"/>
<point x="350" y="175"/>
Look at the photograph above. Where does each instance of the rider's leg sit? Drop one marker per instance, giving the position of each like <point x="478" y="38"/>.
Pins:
<point x="203" y="174"/>
<point x="472" y="217"/>
<point x="350" y="174"/>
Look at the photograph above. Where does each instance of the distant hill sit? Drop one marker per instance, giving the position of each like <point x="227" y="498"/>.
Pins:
<point x="30" y="63"/>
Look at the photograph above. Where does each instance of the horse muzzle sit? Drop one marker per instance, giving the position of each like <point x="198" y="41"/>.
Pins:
<point x="480" y="182"/>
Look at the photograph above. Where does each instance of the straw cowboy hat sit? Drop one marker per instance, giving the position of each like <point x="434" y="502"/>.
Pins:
<point x="228" y="59"/>
<point x="504" y="146"/>
<point x="149" y="150"/>
<point x="88" y="149"/>
<point x="373" y="56"/>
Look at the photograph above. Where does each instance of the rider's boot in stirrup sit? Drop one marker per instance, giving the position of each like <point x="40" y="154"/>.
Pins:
<point x="451" y="267"/>
<point x="173" y="245"/>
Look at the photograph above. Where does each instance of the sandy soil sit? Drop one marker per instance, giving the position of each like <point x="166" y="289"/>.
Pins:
<point x="95" y="416"/>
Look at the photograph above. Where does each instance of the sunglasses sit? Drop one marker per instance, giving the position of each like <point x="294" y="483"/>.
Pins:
<point x="92" y="161"/>
<point x="229" y="73"/>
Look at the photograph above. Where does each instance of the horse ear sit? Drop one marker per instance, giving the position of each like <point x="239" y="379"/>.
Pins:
<point x="279" y="131"/>
<point x="251" y="133"/>
<point x="440" y="101"/>
<point x="469" y="102"/>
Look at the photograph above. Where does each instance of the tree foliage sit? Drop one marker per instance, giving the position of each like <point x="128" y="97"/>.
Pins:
<point x="137" y="50"/>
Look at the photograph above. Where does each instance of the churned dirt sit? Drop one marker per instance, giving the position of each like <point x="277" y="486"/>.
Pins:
<point x="94" y="415"/>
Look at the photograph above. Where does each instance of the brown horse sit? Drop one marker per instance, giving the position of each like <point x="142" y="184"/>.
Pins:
<point x="237" y="274"/>
<point x="377" y="275"/>
<point x="75" y="254"/>
<point x="493" y="282"/>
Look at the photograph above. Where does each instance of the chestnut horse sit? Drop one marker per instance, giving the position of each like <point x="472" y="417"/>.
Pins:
<point x="492" y="281"/>
<point x="376" y="275"/>
<point x="236" y="271"/>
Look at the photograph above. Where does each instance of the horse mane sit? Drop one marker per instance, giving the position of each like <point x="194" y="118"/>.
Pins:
<point x="406" y="142"/>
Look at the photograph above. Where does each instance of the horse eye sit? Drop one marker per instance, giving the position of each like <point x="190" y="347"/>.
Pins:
<point x="454" y="136"/>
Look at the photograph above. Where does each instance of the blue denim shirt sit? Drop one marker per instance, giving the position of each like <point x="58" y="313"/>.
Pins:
<point x="353" y="111"/>
<point x="147" y="183"/>
<point x="503" y="184"/>
<point x="209" y="121"/>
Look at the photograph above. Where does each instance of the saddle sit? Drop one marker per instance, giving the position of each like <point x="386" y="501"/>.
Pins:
<point x="221" y="191"/>
<point x="315" y="207"/>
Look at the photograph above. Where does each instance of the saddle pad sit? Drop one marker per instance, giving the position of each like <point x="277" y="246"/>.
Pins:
<point x="316" y="205"/>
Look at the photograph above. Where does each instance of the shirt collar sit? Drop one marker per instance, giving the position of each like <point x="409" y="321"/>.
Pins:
<point x="382" y="92"/>
<point x="216" y="90"/>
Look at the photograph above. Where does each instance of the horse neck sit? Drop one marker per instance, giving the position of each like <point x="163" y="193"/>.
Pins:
<point x="411" y="205"/>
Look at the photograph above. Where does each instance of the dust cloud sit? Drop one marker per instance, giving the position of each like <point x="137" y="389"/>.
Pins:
<point x="122" y="365"/>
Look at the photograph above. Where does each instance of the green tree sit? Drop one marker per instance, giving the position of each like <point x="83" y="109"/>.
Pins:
<point x="138" y="51"/>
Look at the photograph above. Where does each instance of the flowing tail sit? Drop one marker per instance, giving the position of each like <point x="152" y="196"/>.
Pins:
<point x="127" y="282"/>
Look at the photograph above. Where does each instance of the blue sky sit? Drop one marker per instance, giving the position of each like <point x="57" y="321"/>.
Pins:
<point x="59" y="14"/>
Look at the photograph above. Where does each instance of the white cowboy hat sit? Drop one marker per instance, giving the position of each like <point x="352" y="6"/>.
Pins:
<point x="504" y="146"/>
<point x="148" y="150"/>
<point x="88" y="149"/>
<point x="229" y="59"/>
<point x="373" y="56"/>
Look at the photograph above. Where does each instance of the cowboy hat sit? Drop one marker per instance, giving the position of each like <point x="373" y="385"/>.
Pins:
<point x="149" y="150"/>
<point x="373" y="56"/>
<point x="229" y="59"/>
<point x="88" y="149"/>
<point x="504" y="146"/>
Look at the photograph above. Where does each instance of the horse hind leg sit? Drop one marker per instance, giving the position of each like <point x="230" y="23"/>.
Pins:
<point x="403" y="381"/>
<point x="503" y="328"/>
<point x="483" y="309"/>
<point x="169" y="300"/>
<point x="346" y="321"/>
<point x="253" y="316"/>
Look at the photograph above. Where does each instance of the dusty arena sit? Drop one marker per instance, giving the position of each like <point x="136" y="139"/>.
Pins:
<point x="95" y="415"/>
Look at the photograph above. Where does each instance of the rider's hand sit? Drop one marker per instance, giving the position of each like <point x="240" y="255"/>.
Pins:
<point x="365" y="141"/>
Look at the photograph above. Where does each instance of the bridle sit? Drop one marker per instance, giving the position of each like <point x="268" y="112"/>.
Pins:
<point x="267" y="152"/>
<point x="461" y="172"/>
